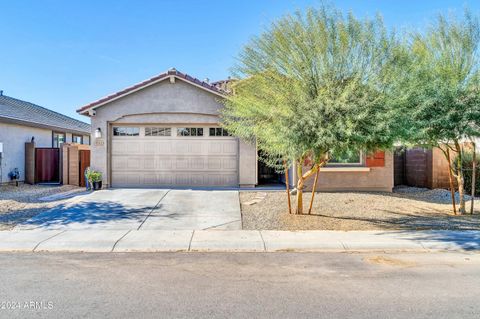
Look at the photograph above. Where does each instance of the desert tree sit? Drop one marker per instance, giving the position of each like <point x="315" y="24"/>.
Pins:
<point x="436" y="88"/>
<point x="312" y="85"/>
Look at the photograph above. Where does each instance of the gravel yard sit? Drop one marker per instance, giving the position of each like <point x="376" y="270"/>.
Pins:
<point x="17" y="204"/>
<point x="407" y="208"/>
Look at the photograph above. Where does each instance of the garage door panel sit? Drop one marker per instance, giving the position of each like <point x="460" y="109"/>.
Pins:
<point x="229" y="164"/>
<point x="164" y="163"/>
<point x="197" y="148"/>
<point x="165" y="147"/>
<point x="182" y="164"/>
<point x="119" y="163"/>
<point x="229" y="148"/>
<point x="171" y="161"/>
<point x="134" y="163"/>
<point x="151" y="148"/>
<point x="149" y="164"/>
<point x="215" y="148"/>
<point x="126" y="179"/>
<point x="198" y="163"/>
<point x="120" y="147"/>
<point x="215" y="163"/>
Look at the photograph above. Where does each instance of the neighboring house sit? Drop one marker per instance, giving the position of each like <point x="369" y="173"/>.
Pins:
<point x="21" y="121"/>
<point x="165" y="131"/>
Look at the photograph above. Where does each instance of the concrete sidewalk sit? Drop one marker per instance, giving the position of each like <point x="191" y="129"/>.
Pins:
<point x="103" y="240"/>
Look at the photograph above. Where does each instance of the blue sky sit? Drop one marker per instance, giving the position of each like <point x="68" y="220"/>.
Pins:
<point x="63" y="54"/>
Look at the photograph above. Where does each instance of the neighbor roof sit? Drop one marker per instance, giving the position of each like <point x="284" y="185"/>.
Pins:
<point x="163" y="76"/>
<point x="26" y="113"/>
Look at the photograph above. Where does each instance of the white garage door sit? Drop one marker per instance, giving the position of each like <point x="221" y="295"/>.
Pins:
<point x="159" y="155"/>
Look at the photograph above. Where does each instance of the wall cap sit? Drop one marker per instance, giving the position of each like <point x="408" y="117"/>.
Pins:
<point x="345" y="169"/>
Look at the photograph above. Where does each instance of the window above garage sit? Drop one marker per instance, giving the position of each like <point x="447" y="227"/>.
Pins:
<point x="158" y="131"/>
<point x="189" y="131"/>
<point x="126" y="131"/>
<point x="218" y="131"/>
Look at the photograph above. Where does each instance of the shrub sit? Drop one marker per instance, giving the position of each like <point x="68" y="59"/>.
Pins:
<point x="94" y="176"/>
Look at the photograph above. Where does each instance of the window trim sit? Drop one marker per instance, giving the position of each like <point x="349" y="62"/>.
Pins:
<point x="58" y="133"/>
<point x="77" y="135"/>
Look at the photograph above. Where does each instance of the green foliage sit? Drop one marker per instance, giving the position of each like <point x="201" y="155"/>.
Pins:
<point x="311" y="84"/>
<point x="435" y="87"/>
<point x="94" y="176"/>
<point x="467" y="169"/>
<point x="345" y="157"/>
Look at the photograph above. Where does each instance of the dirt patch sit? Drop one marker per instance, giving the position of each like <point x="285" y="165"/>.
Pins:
<point x="405" y="209"/>
<point x="18" y="204"/>
<point x="389" y="261"/>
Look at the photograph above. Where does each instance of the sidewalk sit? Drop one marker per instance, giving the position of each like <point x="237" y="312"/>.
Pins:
<point x="235" y="241"/>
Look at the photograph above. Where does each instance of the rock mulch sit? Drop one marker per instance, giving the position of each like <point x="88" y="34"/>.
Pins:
<point x="18" y="204"/>
<point x="407" y="208"/>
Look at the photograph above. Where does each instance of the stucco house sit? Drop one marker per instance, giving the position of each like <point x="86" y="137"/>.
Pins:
<point x="20" y="121"/>
<point x="165" y="131"/>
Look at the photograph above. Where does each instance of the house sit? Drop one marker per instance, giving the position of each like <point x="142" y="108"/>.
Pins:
<point x="22" y="121"/>
<point x="165" y="131"/>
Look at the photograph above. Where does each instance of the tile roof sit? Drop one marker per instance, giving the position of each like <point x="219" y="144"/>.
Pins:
<point x="164" y="75"/>
<point x="25" y="112"/>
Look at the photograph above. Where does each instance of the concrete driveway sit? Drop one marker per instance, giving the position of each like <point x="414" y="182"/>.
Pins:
<point x="153" y="209"/>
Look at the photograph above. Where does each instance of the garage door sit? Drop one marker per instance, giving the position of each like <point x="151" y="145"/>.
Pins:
<point x="156" y="155"/>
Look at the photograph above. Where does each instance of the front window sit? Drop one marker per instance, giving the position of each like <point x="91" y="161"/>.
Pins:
<point x="348" y="157"/>
<point x="58" y="139"/>
<point x="218" y="131"/>
<point x="77" y="139"/>
<point x="190" y="131"/>
<point x="126" y="131"/>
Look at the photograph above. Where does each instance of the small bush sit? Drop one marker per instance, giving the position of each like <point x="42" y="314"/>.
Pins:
<point x="94" y="176"/>
<point x="467" y="162"/>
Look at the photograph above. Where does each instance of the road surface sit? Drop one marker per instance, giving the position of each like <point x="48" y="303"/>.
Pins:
<point x="249" y="285"/>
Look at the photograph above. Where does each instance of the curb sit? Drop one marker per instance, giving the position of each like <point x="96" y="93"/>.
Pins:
<point x="266" y="241"/>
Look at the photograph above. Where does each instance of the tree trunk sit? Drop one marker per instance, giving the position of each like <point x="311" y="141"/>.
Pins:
<point x="474" y="169"/>
<point x="287" y="184"/>
<point x="461" y="194"/>
<point x="302" y="177"/>
<point x="450" y="178"/>
<point x="313" y="190"/>
<point x="460" y="179"/>
<point x="300" y="185"/>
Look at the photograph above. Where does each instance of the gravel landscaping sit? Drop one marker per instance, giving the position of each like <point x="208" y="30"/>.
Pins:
<point x="18" y="204"/>
<point x="407" y="208"/>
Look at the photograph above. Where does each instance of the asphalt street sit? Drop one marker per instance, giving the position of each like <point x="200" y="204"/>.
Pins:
<point x="240" y="285"/>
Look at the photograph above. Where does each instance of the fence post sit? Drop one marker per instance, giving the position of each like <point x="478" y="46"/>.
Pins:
<point x="30" y="163"/>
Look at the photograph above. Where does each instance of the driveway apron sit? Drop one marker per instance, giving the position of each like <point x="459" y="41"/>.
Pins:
<point x="149" y="209"/>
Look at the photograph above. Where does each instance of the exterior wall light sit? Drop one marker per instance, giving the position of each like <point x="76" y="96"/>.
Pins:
<point x="98" y="133"/>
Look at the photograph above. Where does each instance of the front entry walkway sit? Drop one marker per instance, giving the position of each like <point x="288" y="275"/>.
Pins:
<point x="149" y="209"/>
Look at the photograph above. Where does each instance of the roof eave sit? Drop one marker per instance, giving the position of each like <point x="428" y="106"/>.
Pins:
<point x="86" y="109"/>
<point x="41" y="125"/>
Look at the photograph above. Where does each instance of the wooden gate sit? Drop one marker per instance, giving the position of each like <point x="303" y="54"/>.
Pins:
<point x="399" y="163"/>
<point x="47" y="165"/>
<point x="84" y="158"/>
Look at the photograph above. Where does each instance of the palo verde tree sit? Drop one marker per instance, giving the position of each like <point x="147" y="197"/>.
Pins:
<point x="438" y="90"/>
<point x="311" y="86"/>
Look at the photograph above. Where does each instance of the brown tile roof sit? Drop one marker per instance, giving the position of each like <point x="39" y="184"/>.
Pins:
<point x="173" y="71"/>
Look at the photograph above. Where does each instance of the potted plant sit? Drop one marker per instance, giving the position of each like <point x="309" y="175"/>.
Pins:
<point x="94" y="178"/>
